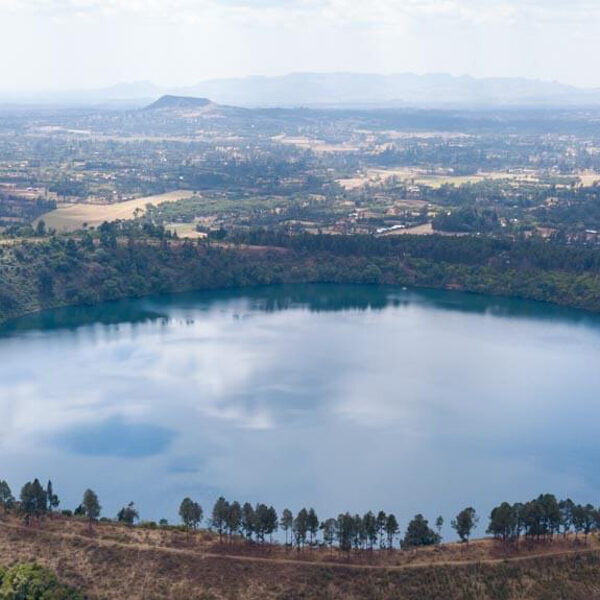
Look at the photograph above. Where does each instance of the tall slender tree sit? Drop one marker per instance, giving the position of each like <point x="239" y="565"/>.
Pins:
<point x="391" y="530"/>
<point x="301" y="527"/>
<point x="369" y="524"/>
<point x="287" y="522"/>
<point x="234" y="518"/>
<point x="248" y="520"/>
<point x="272" y="522"/>
<point x="312" y="522"/>
<point x="220" y="512"/>
<point x="51" y="497"/>
<point x="91" y="506"/>
<point x="7" y="500"/>
<point x="381" y="520"/>
<point x="439" y="524"/>
<point x="329" y="529"/>
<point x="345" y="531"/>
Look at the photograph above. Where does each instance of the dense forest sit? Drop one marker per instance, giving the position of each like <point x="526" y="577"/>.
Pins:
<point x="130" y="259"/>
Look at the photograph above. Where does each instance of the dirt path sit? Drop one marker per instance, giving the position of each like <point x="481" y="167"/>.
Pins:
<point x="296" y="562"/>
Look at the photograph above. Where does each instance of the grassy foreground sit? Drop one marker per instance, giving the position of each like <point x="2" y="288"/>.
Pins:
<point x="116" y="561"/>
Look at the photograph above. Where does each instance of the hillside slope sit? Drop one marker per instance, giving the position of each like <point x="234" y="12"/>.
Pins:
<point x="117" y="562"/>
<point x="42" y="273"/>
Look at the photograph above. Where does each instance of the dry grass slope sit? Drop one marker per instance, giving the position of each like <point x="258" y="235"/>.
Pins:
<point x="117" y="562"/>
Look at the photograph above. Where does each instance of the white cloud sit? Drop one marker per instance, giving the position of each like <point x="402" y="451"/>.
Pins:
<point x="357" y="11"/>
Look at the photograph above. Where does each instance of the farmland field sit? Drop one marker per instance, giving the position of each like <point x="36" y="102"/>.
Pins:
<point x="74" y="216"/>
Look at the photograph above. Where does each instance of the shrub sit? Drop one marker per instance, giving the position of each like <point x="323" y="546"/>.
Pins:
<point x="32" y="582"/>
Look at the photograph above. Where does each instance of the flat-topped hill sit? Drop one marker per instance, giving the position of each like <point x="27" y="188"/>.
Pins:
<point x="178" y="102"/>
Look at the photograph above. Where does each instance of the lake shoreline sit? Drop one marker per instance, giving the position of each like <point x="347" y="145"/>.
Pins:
<point x="62" y="272"/>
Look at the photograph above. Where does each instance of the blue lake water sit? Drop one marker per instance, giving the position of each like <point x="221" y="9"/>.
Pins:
<point x="337" y="397"/>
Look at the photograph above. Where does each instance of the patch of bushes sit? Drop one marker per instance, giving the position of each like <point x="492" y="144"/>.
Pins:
<point x="33" y="582"/>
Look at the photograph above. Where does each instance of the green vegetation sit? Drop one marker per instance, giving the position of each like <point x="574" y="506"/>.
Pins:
<point x="91" y="506"/>
<point x="190" y="513"/>
<point x="542" y="518"/>
<point x="467" y="220"/>
<point x="134" y="259"/>
<point x="464" y="523"/>
<point x="128" y="514"/>
<point x="32" y="582"/>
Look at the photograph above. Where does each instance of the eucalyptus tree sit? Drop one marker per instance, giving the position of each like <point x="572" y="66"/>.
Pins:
<point x="300" y="527"/>
<point x="566" y="515"/>
<point x="248" y="520"/>
<point x="503" y="522"/>
<point x="589" y="519"/>
<point x="272" y="522"/>
<point x="33" y="500"/>
<point x="261" y="521"/>
<point x="583" y="519"/>
<point x="219" y="515"/>
<point x="287" y="522"/>
<point x="519" y="509"/>
<point x="51" y="497"/>
<point x="550" y="514"/>
<point x="191" y="513"/>
<point x="359" y="538"/>
<point x="464" y="523"/>
<point x="329" y="529"/>
<point x="439" y="524"/>
<point x="391" y="530"/>
<point x="345" y="531"/>
<point x="234" y="518"/>
<point x="369" y="524"/>
<point x="312" y="523"/>
<point x="381" y="520"/>
<point x="91" y="506"/>
<point x="7" y="500"/>
<point x="128" y="514"/>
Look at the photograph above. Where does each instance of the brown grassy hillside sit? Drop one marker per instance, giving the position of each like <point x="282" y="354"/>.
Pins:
<point x="116" y="562"/>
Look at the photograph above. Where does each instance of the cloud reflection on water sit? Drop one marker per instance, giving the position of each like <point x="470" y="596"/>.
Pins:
<point x="341" y="397"/>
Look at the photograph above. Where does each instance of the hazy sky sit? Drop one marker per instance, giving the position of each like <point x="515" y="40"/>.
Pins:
<point x="91" y="43"/>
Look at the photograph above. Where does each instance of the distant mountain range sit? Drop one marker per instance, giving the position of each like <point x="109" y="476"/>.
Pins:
<point x="339" y="89"/>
